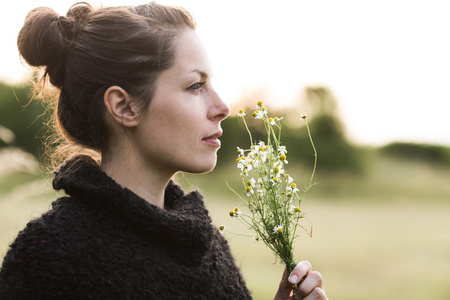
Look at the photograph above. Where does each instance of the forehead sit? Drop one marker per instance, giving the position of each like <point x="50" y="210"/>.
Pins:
<point x="190" y="54"/>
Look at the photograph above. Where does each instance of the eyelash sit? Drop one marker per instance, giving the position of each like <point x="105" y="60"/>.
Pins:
<point x="196" y="86"/>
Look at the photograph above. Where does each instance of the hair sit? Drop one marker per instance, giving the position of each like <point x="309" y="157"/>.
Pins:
<point x="89" y="50"/>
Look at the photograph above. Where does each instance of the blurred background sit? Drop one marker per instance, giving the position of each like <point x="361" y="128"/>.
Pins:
<point x="373" y="77"/>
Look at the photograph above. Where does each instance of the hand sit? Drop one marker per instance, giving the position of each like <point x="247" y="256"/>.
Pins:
<point x="310" y="287"/>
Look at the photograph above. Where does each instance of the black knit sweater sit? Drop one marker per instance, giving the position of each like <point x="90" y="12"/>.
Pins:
<point x="105" y="242"/>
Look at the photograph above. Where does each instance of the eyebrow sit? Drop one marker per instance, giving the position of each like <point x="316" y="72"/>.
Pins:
<point x="203" y="74"/>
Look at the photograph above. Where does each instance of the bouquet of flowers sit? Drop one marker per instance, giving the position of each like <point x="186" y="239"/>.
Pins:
<point x="271" y="195"/>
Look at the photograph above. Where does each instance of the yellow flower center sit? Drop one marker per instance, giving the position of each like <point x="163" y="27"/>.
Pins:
<point x="240" y="158"/>
<point x="260" y="103"/>
<point x="282" y="157"/>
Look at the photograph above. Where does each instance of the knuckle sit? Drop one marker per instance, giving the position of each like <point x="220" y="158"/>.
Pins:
<point x="317" y="276"/>
<point x="305" y="263"/>
<point x="318" y="293"/>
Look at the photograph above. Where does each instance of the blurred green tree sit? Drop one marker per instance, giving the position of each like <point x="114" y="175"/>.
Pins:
<point x="335" y="151"/>
<point x="435" y="154"/>
<point x="22" y="117"/>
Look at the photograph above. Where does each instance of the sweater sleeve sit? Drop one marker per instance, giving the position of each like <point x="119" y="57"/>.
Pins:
<point x="34" y="264"/>
<point x="230" y="261"/>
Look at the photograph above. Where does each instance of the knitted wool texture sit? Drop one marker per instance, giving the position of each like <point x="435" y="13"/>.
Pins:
<point x="103" y="241"/>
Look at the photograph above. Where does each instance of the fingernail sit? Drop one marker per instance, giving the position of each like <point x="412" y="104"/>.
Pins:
<point x="293" y="278"/>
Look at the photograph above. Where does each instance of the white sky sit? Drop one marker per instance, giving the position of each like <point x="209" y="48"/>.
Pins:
<point x="386" y="61"/>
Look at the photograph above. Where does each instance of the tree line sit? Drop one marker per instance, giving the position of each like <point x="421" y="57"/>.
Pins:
<point x="23" y="125"/>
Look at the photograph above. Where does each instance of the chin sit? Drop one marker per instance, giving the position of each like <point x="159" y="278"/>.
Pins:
<point x="203" y="166"/>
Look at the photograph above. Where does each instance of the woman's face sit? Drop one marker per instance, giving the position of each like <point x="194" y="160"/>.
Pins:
<point x="180" y="129"/>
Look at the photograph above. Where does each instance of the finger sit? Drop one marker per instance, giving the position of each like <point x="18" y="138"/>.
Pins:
<point x="302" y="269"/>
<point x="284" y="289"/>
<point x="312" y="281"/>
<point x="316" y="294"/>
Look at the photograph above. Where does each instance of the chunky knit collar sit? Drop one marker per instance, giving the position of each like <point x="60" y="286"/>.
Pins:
<point x="184" y="223"/>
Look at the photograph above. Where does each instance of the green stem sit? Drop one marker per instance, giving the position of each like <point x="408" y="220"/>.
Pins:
<point x="248" y="130"/>
<point x="313" y="172"/>
<point x="290" y="266"/>
<point x="315" y="155"/>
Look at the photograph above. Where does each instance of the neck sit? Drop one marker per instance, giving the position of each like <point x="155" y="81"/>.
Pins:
<point x="133" y="174"/>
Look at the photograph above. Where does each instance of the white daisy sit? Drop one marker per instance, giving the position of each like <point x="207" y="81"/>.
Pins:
<point x="278" y="229"/>
<point x="240" y="151"/>
<point x="258" y="114"/>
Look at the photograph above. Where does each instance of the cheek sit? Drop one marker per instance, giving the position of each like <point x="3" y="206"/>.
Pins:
<point x="173" y="129"/>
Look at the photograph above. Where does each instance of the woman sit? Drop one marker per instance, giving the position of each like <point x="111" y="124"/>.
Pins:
<point x="135" y="88"/>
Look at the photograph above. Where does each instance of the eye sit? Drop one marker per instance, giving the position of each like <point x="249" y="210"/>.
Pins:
<point x="196" y="87"/>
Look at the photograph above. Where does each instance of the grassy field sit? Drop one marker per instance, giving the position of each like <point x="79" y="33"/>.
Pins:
<point x="384" y="234"/>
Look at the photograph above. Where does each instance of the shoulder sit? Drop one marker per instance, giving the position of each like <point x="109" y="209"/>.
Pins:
<point x="38" y="250"/>
<point x="44" y="235"/>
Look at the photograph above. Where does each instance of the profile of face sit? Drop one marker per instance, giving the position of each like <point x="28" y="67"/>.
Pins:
<point x="180" y="129"/>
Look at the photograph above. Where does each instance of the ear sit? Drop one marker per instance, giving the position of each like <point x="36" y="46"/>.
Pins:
<point x="119" y="106"/>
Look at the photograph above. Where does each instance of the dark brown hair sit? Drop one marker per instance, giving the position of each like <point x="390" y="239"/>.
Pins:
<point x="89" y="50"/>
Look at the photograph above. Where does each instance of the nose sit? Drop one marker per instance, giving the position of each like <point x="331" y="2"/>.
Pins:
<point x="218" y="110"/>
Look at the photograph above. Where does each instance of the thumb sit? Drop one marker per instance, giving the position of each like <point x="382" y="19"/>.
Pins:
<point x="284" y="288"/>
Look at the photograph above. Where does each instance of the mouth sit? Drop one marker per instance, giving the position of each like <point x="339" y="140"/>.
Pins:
<point x="212" y="139"/>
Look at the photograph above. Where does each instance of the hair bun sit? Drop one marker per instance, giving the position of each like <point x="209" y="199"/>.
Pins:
<point x="45" y="38"/>
<point x="77" y="15"/>
<point x="79" y="11"/>
<point x="40" y="39"/>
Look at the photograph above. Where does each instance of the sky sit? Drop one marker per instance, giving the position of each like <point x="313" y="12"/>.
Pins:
<point x="387" y="62"/>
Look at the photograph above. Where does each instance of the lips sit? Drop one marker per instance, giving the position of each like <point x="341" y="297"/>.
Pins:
<point x="212" y="139"/>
